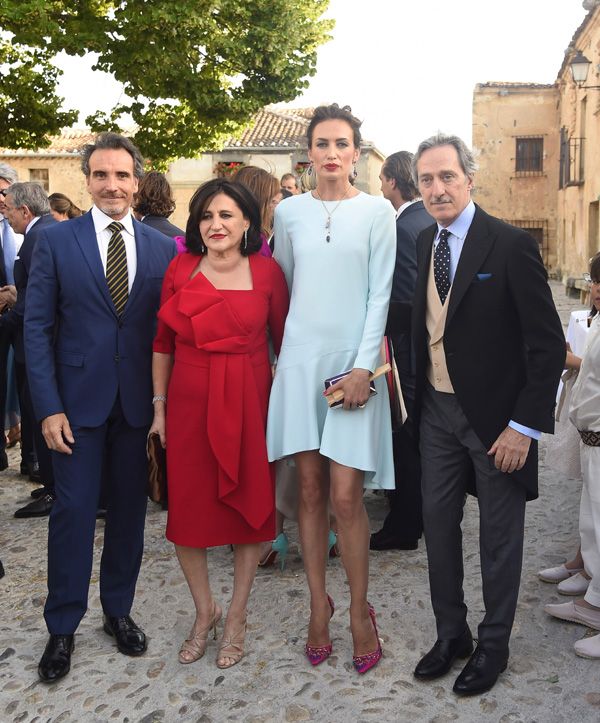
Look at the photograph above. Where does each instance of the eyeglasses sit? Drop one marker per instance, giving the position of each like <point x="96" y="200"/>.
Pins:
<point x="592" y="282"/>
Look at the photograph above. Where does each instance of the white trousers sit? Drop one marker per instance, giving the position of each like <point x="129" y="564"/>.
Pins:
<point x="589" y="519"/>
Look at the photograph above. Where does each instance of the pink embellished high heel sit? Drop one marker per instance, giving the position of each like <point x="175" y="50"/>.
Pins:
<point x="316" y="655"/>
<point x="362" y="663"/>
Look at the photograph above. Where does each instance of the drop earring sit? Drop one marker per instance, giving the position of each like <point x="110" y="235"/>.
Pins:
<point x="354" y="171"/>
<point x="245" y="247"/>
<point x="309" y="170"/>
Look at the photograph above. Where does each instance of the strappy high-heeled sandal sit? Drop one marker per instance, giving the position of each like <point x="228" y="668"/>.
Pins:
<point x="194" y="647"/>
<point x="232" y="648"/>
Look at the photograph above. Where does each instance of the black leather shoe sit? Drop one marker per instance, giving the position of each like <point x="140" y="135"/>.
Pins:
<point x="38" y="508"/>
<point x="3" y="461"/>
<point x="100" y="513"/>
<point x="481" y="672"/>
<point x="439" y="659"/>
<point x="130" y="639"/>
<point x="56" y="660"/>
<point x="38" y="492"/>
<point x="32" y="471"/>
<point x="384" y="540"/>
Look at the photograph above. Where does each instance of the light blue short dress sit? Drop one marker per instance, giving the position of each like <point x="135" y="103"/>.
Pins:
<point x="340" y="292"/>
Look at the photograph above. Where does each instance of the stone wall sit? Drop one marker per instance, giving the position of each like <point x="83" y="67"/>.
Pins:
<point x="522" y="193"/>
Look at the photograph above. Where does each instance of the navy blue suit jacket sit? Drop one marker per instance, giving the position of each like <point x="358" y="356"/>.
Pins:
<point x="162" y="224"/>
<point x="13" y="319"/>
<point x="80" y="353"/>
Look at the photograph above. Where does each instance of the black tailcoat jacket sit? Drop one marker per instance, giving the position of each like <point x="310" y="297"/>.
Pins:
<point x="503" y="340"/>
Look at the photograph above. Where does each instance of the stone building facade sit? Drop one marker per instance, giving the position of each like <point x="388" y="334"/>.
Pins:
<point x="518" y="157"/>
<point x="275" y="141"/>
<point x="538" y="148"/>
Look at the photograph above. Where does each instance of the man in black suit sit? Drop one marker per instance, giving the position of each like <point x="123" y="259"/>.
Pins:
<point x="28" y="211"/>
<point x="489" y="353"/>
<point x="8" y="176"/>
<point x="403" y="526"/>
<point x="154" y="202"/>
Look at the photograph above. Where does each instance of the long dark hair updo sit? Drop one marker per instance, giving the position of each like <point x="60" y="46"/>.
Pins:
<point x="334" y="112"/>
<point x="241" y="197"/>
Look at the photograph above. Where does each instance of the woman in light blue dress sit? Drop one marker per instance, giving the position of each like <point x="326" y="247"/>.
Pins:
<point x="337" y="248"/>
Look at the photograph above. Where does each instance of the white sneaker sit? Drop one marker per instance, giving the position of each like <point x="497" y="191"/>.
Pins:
<point x="557" y="574"/>
<point x="574" y="614"/>
<point x="588" y="647"/>
<point x="575" y="585"/>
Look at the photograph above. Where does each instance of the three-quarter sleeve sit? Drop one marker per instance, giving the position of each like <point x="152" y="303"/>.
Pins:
<point x="164" y="341"/>
<point x="284" y="252"/>
<point x="278" y="306"/>
<point x="382" y="259"/>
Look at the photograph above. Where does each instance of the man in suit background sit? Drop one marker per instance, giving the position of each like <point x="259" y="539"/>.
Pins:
<point x="403" y="525"/>
<point x="489" y="353"/>
<point x="92" y="299"/>
<point x="28" y="211"/>
<point x="8" y="297"/>
<point x="154" y="203"/>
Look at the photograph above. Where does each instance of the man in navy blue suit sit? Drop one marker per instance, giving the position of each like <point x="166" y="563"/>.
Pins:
<point x="403" y="525"/>
<point x="90" y="314"/>
<point x="28" y="211"/>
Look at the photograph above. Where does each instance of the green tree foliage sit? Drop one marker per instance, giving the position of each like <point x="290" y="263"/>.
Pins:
<point x="194" y="71"/>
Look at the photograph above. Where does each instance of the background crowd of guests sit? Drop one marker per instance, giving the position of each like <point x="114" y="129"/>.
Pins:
<point x="259" y="303"/>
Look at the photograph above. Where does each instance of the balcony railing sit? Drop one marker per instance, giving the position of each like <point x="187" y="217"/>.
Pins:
<point x="572" y="156"/>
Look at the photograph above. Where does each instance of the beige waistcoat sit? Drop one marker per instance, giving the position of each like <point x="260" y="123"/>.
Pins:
<point x="437" y="371"/>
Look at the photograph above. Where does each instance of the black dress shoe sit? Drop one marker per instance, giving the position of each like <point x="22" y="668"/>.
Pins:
<point x="100" y="513"/>
<point x="130" y="639"/>
<point x="32" y="471"/>
<point x="384" y="540"/>
<point x="439" y="659"/>
<point x="481" y="672"/>
<point x="38" y="508"/>
<point x="56" y="660"/>
<point x="1" y="570"/>
<point x="3" y="461"/>
<point x="39" y="492"/>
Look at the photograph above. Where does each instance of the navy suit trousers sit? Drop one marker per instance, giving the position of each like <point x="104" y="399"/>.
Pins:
<point x="116" y="451"/>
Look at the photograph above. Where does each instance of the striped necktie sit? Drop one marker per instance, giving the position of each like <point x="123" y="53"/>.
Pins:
<point x="116" y="267"/>
<point x="441" y="265"/>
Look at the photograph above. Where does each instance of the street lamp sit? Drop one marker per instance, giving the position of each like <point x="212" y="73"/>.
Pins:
<point x="580" y="66"/>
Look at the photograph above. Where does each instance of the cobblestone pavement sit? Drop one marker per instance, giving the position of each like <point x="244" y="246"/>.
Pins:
<point x="545" y="680"/>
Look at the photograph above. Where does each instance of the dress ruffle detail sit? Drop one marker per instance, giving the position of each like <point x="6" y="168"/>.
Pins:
<point x="233" y="401"/>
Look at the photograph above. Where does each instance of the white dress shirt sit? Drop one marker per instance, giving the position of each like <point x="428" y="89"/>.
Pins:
<point x="101" y="224"/>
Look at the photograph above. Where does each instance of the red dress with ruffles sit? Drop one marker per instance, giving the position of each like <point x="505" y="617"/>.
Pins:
<point x="221" y="485"/>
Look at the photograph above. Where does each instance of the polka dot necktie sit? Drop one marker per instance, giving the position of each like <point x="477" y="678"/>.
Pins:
<point x="116" y="267"/>
<point x="441" y="265"/>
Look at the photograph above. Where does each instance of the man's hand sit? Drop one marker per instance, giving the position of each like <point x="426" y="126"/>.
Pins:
<point x="510" y="450"/>
<point x="8" y="295"/>
<point x="57" y="432"/>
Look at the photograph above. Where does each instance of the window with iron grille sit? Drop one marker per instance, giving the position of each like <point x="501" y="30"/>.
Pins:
<point x="530" y="155"/>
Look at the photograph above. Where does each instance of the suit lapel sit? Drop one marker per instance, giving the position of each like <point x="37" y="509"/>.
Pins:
<point x="85" y="234"/>
<point x="477" y="246"/>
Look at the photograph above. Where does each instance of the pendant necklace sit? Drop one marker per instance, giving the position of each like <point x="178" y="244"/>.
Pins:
<point x="330" y="213"/>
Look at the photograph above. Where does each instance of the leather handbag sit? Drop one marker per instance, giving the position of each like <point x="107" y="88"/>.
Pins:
<point x="157" y="469"/>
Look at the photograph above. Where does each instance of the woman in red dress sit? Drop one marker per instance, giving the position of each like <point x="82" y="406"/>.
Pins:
<point x="212" y="378"/>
